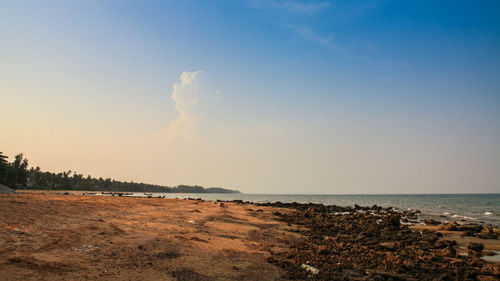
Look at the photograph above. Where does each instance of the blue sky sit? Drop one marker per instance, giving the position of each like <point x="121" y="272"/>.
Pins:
<point x="291" y="97"/>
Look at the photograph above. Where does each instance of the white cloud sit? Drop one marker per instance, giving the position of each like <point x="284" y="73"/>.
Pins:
<point x="308" y="34"/>
<point x="301" y="7"/>
<point x="285" y="13"/>
<point x="298" y="7"/>
<point x="186" y="97"/>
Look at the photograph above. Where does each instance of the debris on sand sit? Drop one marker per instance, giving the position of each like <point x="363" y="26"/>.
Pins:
<point x="310" y="269"/>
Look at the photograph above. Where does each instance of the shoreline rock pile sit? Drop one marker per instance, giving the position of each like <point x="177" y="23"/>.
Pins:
<point x="474" y="230"/>
<point x="369" y="243"/>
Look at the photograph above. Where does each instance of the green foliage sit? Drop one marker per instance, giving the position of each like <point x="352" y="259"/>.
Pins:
<point x="13" y="174"/>
<point x="4" y="168"/>
<point x="16" y="174"/>
<point x="20" y="167"/>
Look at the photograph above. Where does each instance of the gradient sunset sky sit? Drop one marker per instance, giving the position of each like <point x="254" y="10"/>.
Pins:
<point x="272" y="96"/>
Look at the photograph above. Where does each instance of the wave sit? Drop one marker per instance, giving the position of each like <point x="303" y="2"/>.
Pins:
<point x="463" y="217"/>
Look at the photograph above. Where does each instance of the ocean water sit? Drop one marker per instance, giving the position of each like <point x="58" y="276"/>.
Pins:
<point x="464" y="208"/>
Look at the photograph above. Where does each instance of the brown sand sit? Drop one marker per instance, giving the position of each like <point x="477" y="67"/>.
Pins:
<point x="68" y="237"/>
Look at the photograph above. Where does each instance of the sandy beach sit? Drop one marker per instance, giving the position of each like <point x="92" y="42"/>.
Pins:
<point x="58" y="237"/>
<point x="75" y="237"/>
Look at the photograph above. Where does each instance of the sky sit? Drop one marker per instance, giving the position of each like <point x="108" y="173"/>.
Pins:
<point x="276" y="96"/>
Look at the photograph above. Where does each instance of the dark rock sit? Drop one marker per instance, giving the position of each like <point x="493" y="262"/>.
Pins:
<point x="391" y="221"/>
<point x="489" y="232"/>
<point x="491" y="269"/>
<point x="368" y="243"/>
<point x="444" y="244"/>
<point x="451" y="226"/>
<point x="432" y="222"/>
<point x="476" y="247"/>
<point x="430" y="236"/>
<point x="389" y="245"/>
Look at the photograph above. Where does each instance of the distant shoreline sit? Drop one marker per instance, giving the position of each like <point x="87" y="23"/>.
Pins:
<point x="480" y="208"/>
<point x="210" y="190"/>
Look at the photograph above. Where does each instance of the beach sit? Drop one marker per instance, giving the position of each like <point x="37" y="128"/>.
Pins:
<point x="86" y="237"/>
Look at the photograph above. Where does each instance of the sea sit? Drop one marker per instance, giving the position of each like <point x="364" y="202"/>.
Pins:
<point x="462" y="208"/>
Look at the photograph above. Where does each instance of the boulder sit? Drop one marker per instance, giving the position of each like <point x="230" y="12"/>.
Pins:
<point x="476" y="247"/>
<point x="432" y="222"/>
<point x="391" y="221"/>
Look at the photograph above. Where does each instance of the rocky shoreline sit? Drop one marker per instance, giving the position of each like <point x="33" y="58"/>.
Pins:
<point x="371" y="243"/>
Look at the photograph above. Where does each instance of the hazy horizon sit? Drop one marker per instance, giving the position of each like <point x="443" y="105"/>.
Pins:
<point x="266" y="97"/>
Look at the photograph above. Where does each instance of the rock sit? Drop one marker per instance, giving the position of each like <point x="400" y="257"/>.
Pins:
<point x="344" y="244"/>
<point x="486" y="278"/>
<point x="489" y="232"/>
<point x="469" y="233"/>
<point x="449" y="252"/>
<point x="432" y="222"/>
<point x="429" y="236"/>
<point x="323" y="249"/>
<point x="491" y="269"/>
<point x="391" y="221"/>
<point x="445" y="244"/>
<point x="470" y="227"/>
<point x="389" y="245"/>
<point x="476" y="247"/>
<point x="451" y="226"/>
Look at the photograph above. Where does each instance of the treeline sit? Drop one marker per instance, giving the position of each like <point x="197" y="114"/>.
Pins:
<point x="16" y="174"/>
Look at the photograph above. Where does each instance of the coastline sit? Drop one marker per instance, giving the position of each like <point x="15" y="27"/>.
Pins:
<point x="481" y="209"/>
<point x="62" y="237"/>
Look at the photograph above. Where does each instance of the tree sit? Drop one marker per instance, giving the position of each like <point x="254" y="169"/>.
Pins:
<point x="16" y="174"/>
<point x="4" y="169"/>
<point x="20" y="167"/>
